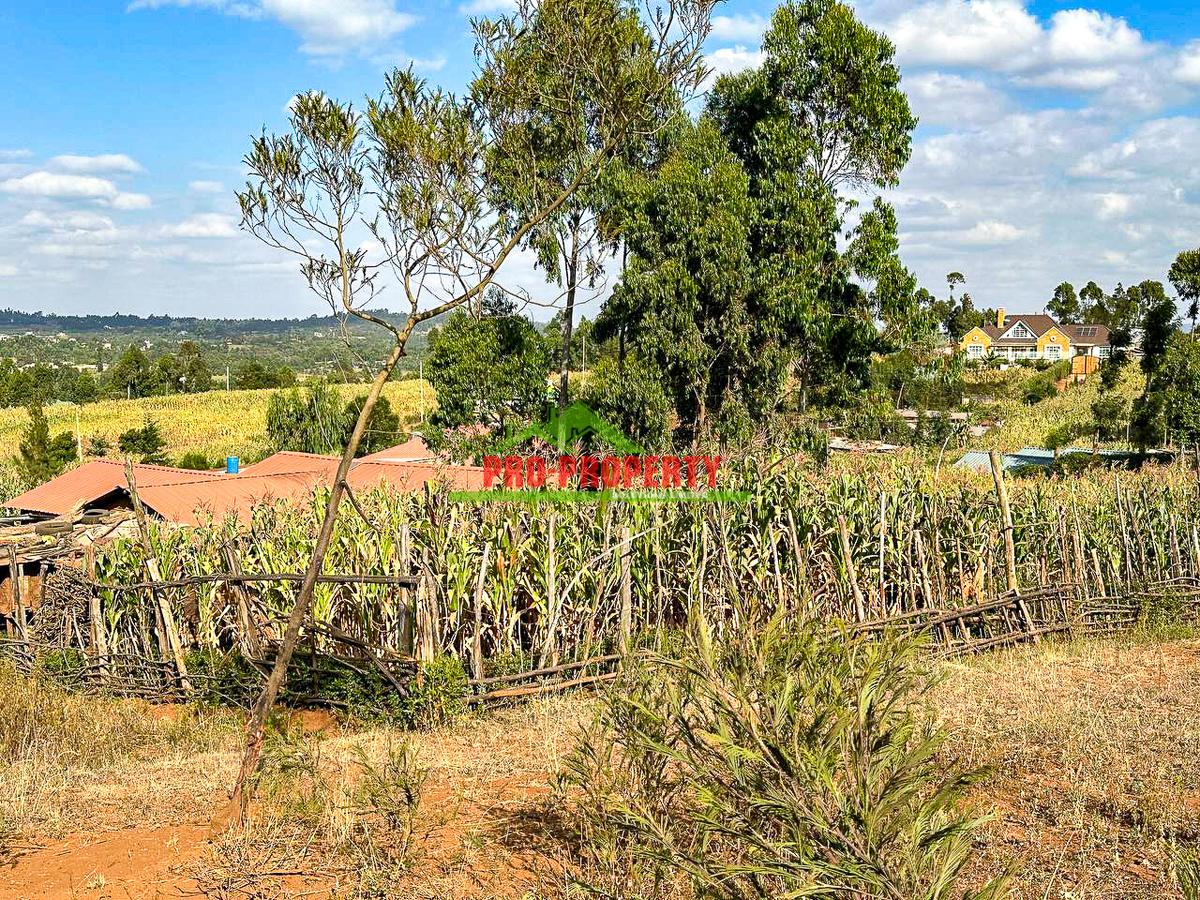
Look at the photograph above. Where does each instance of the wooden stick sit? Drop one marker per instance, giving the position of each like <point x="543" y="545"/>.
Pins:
<point x="549" y="687"/>
<point x="860" y="606"/>
<point x="163" y="606"/>
<point x="231" y="578"/>
<point x="14" y="575"/>
<point x="626" y="589"/>
<point x="477" y="648"/>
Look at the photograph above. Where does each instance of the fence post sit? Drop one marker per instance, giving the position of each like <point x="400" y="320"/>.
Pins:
<point x="860" y="606"/>
<point x="249" y="631"/>
<point x="626" y="589"/>
<point x="14" y="576"/>
<point x="1010" y="547"/>
<point x="477" y="649"/>
<point x="96" y="616"/>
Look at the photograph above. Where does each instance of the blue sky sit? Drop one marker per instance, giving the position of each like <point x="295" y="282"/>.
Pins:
<point x="1058" y="141"/>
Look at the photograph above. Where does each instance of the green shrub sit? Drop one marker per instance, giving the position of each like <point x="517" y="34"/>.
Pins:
<point x="793" y="763"/>
<point x="439" y="696"/>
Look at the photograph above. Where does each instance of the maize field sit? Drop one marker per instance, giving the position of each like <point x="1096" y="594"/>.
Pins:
<point x="547" y="585"/>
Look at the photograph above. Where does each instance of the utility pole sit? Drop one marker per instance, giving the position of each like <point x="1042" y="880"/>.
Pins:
<point x="421" y="379"/>
<point x="78" y="433"/>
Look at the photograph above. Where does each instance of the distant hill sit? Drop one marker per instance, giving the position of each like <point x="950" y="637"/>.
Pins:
<point x="211" y="328"/>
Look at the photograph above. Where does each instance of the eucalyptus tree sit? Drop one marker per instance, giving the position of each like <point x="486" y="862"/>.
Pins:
<point x="735" y="274"/>
<point x="428" y="194"/>
<point x="1185" y="278"/>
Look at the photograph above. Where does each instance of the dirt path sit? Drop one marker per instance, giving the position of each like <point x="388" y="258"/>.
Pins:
<point x="132" y="864"/>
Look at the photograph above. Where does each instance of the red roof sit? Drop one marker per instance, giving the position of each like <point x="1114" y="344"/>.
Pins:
<point x="414" y="448"/>
<point x="287" y="461"/>
<point x="94" y="480"/>
<point x="413" y="476"/>
<point x="189" y="497"/>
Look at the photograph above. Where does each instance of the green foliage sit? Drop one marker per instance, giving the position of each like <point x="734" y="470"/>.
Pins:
<point x="308" y="420"/>
<point x="383" y="427"/>
<point x="736" y="276"/>
<point x="792" y="763"/>
<point x="145" y="443"/>
<point x="98" y="446"/>
<point x="1044" y="385"/>
<point x="1064" y="305"/>
<point x="490" y="370"/>
<point x="1111" y="414"/>
<point x="632" y="399"/>
<point x="253" y="375"/>
<point x="1184" y="275"/>
<point x="40" y="457"/>
<point x="1179" y="377"/>
<point x="439" y="696"/>
<point x="194" y="459"/>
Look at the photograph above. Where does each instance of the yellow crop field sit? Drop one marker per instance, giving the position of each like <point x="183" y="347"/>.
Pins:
<point x="216" y="423"/>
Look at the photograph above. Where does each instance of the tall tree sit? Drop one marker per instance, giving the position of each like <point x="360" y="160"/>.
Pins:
<point x="1185" y="278"/>
<point x="1064" y="305"/>
<point x="450" y="188"/>
<point x="1158" y="326"/>
<point x="823" y="117"/>
<point x="1091" y="296"/>
<point x="39" y="456"/>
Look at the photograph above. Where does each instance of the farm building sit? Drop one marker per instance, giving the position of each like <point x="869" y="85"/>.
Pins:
<point x="189" y="497"/>
<point x="57" y="522"/>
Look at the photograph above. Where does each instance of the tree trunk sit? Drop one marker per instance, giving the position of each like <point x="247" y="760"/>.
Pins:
<point x="569" y="315"/>
<point x="256" y="725"/>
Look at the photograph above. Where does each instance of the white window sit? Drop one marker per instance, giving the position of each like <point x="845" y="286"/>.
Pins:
<point x="1021" y="332"/>
<point x="1053" y="351"/>
<point x="1105" y="352"/>
<point x="975" y="351"/>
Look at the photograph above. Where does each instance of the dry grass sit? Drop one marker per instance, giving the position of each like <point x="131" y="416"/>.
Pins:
<point x="215" y="423"/>
<point x="1093" y="746"/>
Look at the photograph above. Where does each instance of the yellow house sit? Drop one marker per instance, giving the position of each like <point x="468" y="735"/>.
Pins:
<point x="1034" y="337"/>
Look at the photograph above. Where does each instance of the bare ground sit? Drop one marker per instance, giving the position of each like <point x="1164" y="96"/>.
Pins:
<point x="1093" y="747"/>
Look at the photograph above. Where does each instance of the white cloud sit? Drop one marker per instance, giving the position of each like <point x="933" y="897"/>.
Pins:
<point x="8" y="270"/>
<point x="941" y="99"/>
<point x="1088" y="36"/>
<point x="12" y="155"/>
<point x="1187" y="67"/>
<point x="206" y="187"/>
<point x="1114" y="205"/>
<point x="728" y="60"/>
<point x="964" y="32"/>
<point x="131" y="201"/>
<point x="993" y="232"/>
<point x="90" y="165"/>
<point x="1077" y="49"/>
<point x="76" y="220"/>
<point x="53" y="184"/>
<point x="327" y="28"/>
<point x="204" y="225"/>
<point x="739" y="28"/>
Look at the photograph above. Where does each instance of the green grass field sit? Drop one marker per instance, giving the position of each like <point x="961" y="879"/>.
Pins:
<point x="216" y="423"/>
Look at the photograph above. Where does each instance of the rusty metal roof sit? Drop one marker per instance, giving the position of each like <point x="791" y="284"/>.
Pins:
<point x="289" y="461"/>
<point x="92" y="481"/>
<point x="191" y="497"/>
<point x="413" y="449"/>
<point x="194" y="502"/>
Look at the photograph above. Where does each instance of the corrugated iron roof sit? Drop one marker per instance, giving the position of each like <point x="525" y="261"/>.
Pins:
<point x="402" y="476"/>
<point x="189" y="497"/>
<point x="192" y="502"/>
<point x="92" y="481"/>
<point x="414" y="448"/>
<point x="289" y="461"/>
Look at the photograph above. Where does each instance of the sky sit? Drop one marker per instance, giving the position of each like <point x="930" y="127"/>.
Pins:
<point x="1057" y="142"/>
